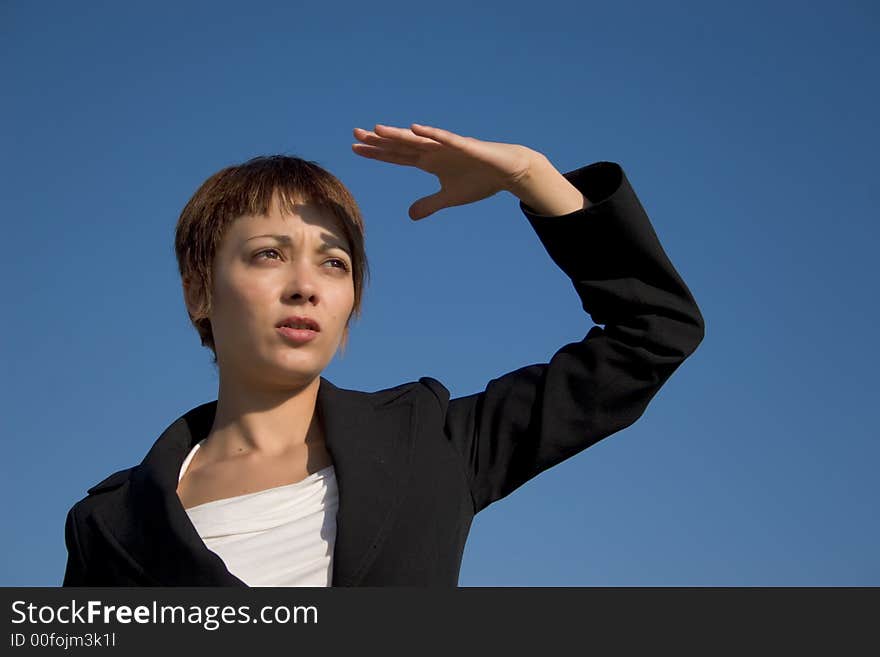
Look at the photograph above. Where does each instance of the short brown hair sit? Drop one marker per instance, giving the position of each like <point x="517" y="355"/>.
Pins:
<point x="248" y="189"/>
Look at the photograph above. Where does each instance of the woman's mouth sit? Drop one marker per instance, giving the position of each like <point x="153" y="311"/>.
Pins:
<point x="299" y="336"/>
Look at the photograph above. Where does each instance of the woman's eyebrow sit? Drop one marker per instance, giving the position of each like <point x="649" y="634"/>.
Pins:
<point x="285" y="239"/>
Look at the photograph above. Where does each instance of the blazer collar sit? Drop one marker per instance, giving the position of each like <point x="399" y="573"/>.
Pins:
<point x="370" y="439"/>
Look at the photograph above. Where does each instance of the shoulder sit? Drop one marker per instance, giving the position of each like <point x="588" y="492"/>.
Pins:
<point x="115" y="480"/>
<point x="96" y="493"/>
<point x="426" y="389"/>
<point x="427" y="394"/>
<point x="440" y="391"/>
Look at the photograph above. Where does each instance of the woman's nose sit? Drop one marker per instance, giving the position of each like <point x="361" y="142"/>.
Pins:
<point x="302" y="282"/>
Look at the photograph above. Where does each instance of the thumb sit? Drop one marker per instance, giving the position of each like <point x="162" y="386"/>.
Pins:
<point x="427" y="206"/>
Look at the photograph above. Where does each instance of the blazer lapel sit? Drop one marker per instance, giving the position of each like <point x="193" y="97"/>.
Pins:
<point x="370" y="439"/>
<point x="151" y="529"/>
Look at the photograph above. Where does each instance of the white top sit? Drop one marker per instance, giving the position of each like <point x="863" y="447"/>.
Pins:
<point x="282" y="536"/>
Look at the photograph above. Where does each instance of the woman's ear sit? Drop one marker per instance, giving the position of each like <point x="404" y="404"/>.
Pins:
<point x="192" y="296"/>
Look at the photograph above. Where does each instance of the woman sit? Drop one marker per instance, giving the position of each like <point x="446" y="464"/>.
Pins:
<point x="289" y="480"/>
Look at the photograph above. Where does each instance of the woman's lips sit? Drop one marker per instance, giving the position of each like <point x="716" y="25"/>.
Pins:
<point x="299" y="336"/>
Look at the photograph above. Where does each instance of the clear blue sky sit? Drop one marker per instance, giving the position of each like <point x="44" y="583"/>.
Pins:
<point x="748" y="130"/>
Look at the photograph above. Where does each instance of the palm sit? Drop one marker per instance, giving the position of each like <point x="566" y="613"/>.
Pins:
<point x="468" y="169"/>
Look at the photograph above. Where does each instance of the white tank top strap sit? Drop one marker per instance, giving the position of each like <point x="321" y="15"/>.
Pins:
<point x="189" y="458"/>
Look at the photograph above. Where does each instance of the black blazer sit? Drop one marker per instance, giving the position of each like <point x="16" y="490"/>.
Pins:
<point x="413" y="466"/>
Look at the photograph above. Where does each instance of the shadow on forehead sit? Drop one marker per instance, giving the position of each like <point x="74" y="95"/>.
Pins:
<point x="326" y="215"/>
<point x="307" y="209"/>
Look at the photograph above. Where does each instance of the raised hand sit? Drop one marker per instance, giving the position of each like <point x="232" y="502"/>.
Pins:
<point x="468" y="169"/>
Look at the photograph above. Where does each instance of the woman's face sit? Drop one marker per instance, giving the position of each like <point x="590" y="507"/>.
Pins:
<point x="268" y="269"/>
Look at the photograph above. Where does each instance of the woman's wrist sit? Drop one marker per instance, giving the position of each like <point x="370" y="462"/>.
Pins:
<point x="546" y="191"/>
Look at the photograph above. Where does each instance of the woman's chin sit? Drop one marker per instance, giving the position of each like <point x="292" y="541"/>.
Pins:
<point x="299" y="369"/>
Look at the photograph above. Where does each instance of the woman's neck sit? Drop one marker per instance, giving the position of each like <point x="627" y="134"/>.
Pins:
<point x="263" y="421"/>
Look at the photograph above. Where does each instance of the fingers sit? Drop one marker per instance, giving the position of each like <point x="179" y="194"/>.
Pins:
<point x="440" y="135"/>
<point x="385" y="155"/>
<point x="371" y="138"/>
<point x="402" y="136"/>
<point x="418" y="137"/>
<point x="383" y="148"/>
<point x="428" y="205"/>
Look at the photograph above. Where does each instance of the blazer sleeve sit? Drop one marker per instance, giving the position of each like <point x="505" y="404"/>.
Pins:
<point x="532" y="418"/>
<point x="75" y="572"/>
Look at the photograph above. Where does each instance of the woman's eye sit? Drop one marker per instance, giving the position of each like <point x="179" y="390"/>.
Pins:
<point x="342" y="263"/>
<point x="266" y="251"/>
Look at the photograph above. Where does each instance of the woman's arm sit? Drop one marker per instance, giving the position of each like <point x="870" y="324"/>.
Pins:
<point x="530" y="419"/>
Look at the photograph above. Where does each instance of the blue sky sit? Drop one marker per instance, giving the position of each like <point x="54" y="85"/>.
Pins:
<point x="748" y="130"/>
